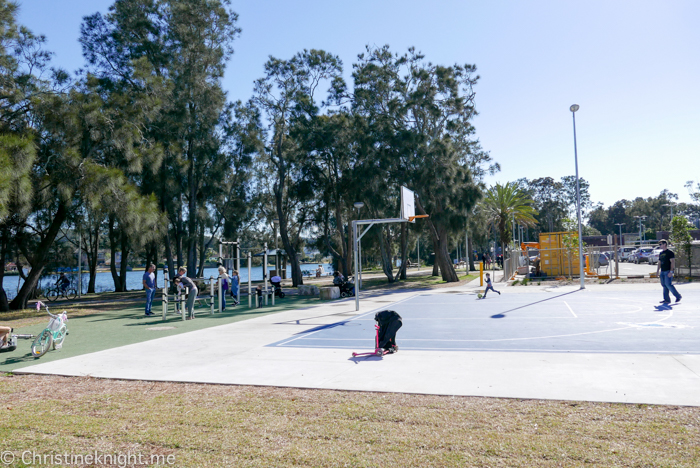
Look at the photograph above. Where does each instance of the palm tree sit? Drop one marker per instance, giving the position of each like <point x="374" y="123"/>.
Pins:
<point x="504" y="203"/>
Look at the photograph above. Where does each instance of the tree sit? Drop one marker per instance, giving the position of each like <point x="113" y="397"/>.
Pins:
<point x="681" y="237"/>
<point x="286" y="96"/>
<point x="504" y="204"/>
<point x="186" y="44"/>
<point x="418" y="117"/>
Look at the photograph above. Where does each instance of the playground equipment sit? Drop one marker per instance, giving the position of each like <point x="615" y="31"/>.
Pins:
<point x="178" y="296"/>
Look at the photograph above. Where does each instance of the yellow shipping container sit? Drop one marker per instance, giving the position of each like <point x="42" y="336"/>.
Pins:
<point x="555" y="260"/>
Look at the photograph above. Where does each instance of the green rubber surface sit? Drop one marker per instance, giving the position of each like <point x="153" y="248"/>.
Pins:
<point x="114" y="328"/>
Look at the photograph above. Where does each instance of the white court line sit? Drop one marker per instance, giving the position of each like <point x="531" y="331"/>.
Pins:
<point x="570" y="309"/>
<point x="354" y="318"/>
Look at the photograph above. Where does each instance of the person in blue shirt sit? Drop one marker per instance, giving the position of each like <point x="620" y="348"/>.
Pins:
<point x="149" y="284"/>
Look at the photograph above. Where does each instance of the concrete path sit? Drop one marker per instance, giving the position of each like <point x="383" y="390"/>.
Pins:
<point x="237" y="353"/>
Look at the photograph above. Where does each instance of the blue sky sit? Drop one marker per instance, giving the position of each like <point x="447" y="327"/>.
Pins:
<point x="633" y="67"/>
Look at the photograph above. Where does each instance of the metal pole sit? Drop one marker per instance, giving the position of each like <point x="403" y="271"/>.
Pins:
<point x="250" y="284"/>
<point x="264" y="270"/>
<point x="165" y="296"/>
<point x="238" y="269"/>
<point x="578" y="209"/>
<point x="211" y="295"/>
<point x="220" y="295"/>
<point x="354" y="248"/>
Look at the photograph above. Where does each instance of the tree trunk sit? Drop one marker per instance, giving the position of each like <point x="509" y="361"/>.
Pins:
<point x="384" y="248"/>
<point x="113" y="252"/>
<point x="92" y="244"/>
<point x="297" y="277"/>
<point x="124" y="265"/>
<point x="4" y="305"/>
<point x="469" y="254"/>
<point x="404" y="251"/>
<point x="442" y="256"/>
<point x="39" y="259"/>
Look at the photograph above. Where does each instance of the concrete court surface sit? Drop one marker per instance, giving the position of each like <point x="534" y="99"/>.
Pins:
<point x="249" y="352"/>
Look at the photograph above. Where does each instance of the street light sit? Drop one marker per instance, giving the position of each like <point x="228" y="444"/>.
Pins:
<point x="671" y="205"/>
<point x="640" y="218"/>
<point x="573" y="110"/>
<point x="620" y="226"/>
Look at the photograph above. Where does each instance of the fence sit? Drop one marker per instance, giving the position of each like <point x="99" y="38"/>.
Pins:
<point x="682" y="266"/>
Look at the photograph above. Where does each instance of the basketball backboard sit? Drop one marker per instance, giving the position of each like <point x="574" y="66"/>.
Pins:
<point x="408" y="206"/>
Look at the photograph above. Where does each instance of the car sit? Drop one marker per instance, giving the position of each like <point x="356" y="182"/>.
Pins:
<point x="653" y="258"/>
<point x="642" y="254"/>
<point x="623" y="253"/>
<point x="598" y="259"/>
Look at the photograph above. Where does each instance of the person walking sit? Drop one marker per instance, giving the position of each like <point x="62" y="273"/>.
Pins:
<point x="235" y="282"/>
<point x="489" y="286"/>
<point x="149" y="284"/>
<point x="664" y="270"/>
<point x="225" y="282"/>
<point x="186" y="282"/>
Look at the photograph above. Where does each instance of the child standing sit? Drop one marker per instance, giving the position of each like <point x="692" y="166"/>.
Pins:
<point x="489" y="285"/>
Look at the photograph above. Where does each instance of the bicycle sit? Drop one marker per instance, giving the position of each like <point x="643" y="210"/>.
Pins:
<point x="52" y="336"/>
<point x="53" y="293"/>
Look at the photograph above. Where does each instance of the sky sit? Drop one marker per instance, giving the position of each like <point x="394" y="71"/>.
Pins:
<point x="632" y="67"/>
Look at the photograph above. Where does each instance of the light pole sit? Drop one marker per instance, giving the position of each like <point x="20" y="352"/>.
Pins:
<point x="620" y="226"/>
<point x="573" y="110"/>
<point x="671" y="205"/>
<point x="358" y="260"/>
<point x="640" y="218"/>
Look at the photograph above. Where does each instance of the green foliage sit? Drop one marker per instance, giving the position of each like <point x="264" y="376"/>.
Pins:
<point x="682" y="239"/>
<point x="504" y="204"/>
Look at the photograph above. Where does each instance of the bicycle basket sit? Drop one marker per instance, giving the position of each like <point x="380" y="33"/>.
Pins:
<point x="55" y="323"/>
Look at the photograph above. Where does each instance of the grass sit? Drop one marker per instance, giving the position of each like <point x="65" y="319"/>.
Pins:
<point x="223" y="426"/>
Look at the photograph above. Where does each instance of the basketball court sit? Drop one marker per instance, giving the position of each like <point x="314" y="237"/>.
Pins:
<point x="577" y="321"/>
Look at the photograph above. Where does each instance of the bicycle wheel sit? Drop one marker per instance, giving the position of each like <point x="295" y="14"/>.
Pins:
<point x="60" y="336"/>
<point x="42" y="343"/>
<point x="52" y="295"/>
<point x="71" y="293"/>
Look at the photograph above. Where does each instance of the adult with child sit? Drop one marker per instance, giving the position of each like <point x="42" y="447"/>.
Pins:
<point x="225" y="284"/>
<point x="185" y="282"/>
<point x="149" y="284"/>
<point x="664" y="270"/>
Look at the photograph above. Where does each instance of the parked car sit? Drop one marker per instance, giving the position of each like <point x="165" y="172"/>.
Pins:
<point x="598" y="259"/>
<point x="653" y="258"/>
<point x="642" y="254"/>
<point x="623" y="253"/>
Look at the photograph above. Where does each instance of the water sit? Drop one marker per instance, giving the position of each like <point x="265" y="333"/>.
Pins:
<point x="105" y="283"/>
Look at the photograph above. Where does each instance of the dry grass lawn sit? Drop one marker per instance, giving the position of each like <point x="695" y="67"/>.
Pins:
<point x="239" y="426"/>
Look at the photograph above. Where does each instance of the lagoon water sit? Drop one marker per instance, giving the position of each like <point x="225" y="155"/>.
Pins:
<point x="104" y="282"/>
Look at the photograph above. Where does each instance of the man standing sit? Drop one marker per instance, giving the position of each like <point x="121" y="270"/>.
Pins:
<point x="666" y="265"/>
<point x="149" y="284"/>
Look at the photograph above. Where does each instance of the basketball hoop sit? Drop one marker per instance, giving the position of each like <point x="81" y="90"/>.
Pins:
<point x="413" y="218"/>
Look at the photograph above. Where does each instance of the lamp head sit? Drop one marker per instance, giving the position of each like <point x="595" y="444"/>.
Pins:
<point x="574" y="107"/>
<point x="358" y="205"/>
